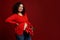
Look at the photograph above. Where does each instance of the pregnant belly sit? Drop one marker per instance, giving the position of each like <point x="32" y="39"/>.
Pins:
<point x="21" y="26"/>
<point x="25" y="25"/>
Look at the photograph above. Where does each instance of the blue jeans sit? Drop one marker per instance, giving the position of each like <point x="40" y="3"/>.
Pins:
<point x="25" y="36"/>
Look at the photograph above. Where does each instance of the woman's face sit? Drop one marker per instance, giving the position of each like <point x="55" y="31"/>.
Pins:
<point x="20" y="9"/>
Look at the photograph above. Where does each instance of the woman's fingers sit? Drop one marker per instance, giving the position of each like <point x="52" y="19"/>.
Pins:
<point x="17" y="24"/>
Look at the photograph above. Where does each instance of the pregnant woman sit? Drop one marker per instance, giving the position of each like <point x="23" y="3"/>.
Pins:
<point x="24" y="29"/>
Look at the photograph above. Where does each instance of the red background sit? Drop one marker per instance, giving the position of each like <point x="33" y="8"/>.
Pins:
<point x="43" y="14"/>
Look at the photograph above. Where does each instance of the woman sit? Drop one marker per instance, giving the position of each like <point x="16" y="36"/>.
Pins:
<point x="24" y="29"/>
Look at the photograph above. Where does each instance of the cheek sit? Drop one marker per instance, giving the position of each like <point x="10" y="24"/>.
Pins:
<point x="20" y="9"/>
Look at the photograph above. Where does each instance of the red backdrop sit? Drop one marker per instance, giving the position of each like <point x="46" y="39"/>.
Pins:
<point x="43" y="14"/>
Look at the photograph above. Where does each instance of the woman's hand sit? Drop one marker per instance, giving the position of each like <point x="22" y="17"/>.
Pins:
<point x="17" y="24"/>
<point x="32" y="28"/>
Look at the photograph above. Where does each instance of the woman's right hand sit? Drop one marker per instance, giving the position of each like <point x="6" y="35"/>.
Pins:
<point x="17" y="24"/>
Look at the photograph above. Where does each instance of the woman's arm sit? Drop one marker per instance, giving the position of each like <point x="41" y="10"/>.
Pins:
<point x="31" y="26"/>
<point x="11" y="19"/>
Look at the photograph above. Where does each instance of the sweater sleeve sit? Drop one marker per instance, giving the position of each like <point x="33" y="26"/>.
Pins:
<point x="11" y="19"/>
<point x="29" y="22"/>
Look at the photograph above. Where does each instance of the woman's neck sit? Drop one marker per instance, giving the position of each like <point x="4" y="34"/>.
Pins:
<point x="20" y="14"/>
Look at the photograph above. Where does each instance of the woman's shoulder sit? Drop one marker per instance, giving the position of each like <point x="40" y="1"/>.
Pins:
<point x="14" y="14"/>
<point x="17" y="14"/>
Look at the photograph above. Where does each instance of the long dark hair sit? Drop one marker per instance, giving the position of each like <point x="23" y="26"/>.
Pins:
<point x="15" y="8"/>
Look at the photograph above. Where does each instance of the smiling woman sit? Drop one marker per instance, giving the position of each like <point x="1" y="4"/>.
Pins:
<point x="18" y="8"/>
<point x="23" y="29"/>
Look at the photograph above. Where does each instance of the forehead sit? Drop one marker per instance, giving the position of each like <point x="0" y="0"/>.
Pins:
<point x="21" y="5"/>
